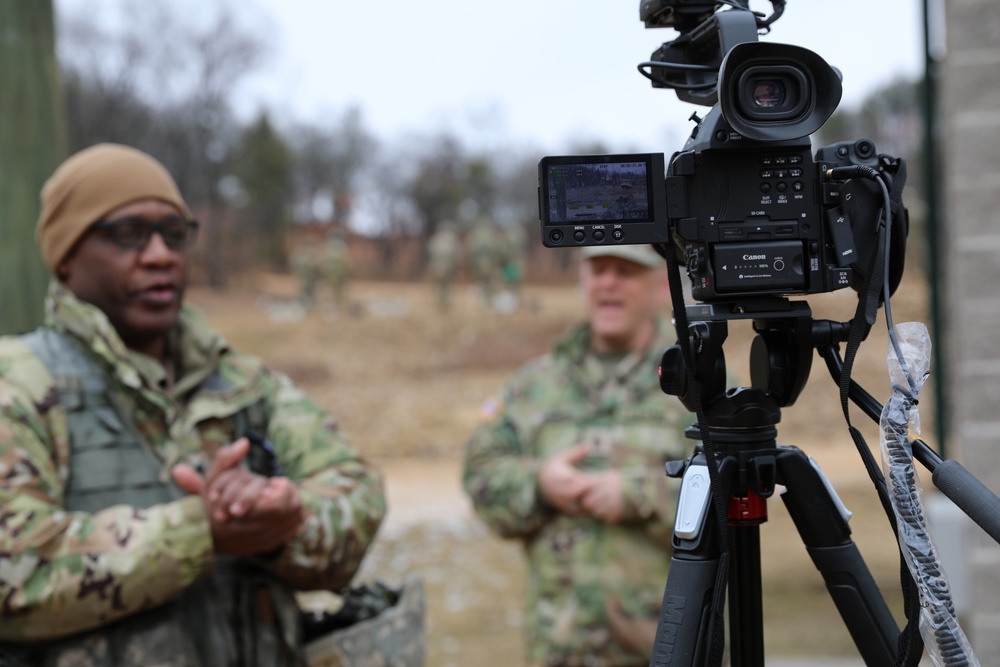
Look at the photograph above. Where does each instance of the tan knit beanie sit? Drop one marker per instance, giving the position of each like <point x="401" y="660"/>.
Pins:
<point x="92" y="183"/>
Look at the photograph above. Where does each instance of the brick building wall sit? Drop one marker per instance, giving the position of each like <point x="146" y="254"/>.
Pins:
<point x="969" y="94"/>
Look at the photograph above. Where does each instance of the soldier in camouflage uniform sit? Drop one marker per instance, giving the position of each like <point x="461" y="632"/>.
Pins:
<point x="570" y="460"/>
<point x="513" y="260"/>
<point x="444" y="250"/>
<point x="161" y="493"/>
<point x="306" y="264"/>
<point x="336" y="268"/>
<point x="486" y="250"/>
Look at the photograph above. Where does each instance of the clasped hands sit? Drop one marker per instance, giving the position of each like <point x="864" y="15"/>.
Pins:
<point x="248" y="513"/>
<point x="579" y="492"/>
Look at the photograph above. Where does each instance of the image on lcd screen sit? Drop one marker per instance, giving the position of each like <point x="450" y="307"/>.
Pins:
<point x="596" y="192"/>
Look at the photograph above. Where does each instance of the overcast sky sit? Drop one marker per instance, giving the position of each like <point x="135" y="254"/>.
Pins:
<point x="540" y="73"/>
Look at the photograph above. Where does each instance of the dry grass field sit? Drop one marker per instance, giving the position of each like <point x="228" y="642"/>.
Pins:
<point x="406" y="382"/>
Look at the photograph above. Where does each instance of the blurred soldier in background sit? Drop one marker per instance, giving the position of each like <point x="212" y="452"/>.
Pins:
<point x="486" y="250"/>
<point x="306" y="265"/>
<point x="336" y="268"/>
<point x="444" y="250"/>
<point x="163" y="494"/>
<point x="513" y="261"/>
<point x="570" y="460"/>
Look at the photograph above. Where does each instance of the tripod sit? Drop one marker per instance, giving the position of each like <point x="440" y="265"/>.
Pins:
<point x="742" y="424"/>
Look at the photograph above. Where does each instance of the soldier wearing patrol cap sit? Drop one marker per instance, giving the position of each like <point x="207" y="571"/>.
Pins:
<point x="444" y="249"/>
<point x="162" y="493"/>
<point x="569" y="460"/>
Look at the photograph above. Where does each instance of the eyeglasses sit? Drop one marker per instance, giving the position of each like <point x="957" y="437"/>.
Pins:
<point x="134" y="232"/>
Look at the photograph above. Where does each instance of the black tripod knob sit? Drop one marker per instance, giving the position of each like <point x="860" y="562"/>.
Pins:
<point x="673" y="380"/>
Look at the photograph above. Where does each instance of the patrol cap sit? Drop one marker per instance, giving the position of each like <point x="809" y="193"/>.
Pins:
<point x="92" y="183"/>
<point x="640" y="254"/>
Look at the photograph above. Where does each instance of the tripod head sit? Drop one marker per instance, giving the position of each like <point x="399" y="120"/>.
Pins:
<point x="780" y="361"/>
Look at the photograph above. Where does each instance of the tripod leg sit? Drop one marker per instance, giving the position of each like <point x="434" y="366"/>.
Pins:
<point x="682" y="635"/>
<point x="746" y="622"/>
<point x="686" y="628"/>
<point x="820" y="520"/>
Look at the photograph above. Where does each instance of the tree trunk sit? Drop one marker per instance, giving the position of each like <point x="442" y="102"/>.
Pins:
<point x="32" y="143"/>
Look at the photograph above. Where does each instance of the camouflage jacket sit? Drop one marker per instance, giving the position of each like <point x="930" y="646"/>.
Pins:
<point x="63" y="573"/>
<point x="594" y="589"/>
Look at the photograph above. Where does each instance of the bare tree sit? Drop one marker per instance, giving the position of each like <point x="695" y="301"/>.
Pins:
<point x="889" y="116"/>
<point x="169" y="95"/>
<point x="438" y="185"/>
<point x="329" y="161"/>
<point x="517" y="188"/>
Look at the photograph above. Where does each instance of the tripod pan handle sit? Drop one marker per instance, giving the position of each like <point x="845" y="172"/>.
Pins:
<point x="971" y="495"/>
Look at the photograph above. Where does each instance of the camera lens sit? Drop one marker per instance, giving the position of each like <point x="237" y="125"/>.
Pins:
<point x="772" y="93"/>
<point x="768" y="93"/>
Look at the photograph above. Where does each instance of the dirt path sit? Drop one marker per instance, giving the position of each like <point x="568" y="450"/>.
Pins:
<point x="424" y="491"/>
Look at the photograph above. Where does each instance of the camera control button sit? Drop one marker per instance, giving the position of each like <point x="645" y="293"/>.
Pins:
<point x="781" y="186"/>
<point x="618" y="235"/>
<point x="598" y="235"/>
<point x="765" y="187"/>
<point x="579" y="236"/>
<point x="798" y="186"/>
<point x="555" y="236"/>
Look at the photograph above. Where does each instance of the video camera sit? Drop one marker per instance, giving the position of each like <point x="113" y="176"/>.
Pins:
<point x="749" y="208"/>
